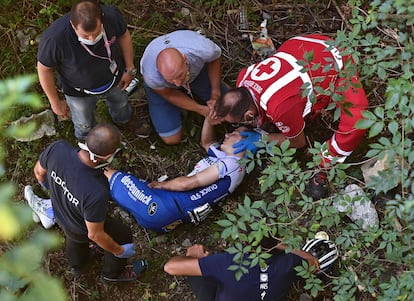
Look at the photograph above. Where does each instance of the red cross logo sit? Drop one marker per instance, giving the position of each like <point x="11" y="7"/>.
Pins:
<point x="266" y="69"/>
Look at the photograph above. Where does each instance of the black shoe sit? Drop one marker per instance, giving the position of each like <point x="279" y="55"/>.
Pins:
<point x="127" y="275"/>
<point x="317" y="187"/>
<point x="139" y="127"/>
<point x="143" y="131"/>
<point x="130" y="273"/>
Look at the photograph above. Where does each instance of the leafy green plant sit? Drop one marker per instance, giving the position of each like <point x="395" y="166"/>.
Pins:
<point x="377" y="262"/>
<point x="21" y="273"/>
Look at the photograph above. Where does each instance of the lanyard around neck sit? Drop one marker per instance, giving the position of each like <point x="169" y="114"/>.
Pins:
<point x="108" y="48"/>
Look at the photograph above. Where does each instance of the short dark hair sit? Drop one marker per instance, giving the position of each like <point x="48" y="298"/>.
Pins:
<point x="86" y="14"/>
<point x="103" y="139"/>
<point x="242" y="100"/>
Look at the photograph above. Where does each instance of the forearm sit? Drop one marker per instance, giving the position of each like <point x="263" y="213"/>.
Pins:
<point x="39" y="172"/>
<point x="181" y="100"/>
<point x="183" y="266"/>
<point x="276" y="137"/>
<point x="47" y="81"/>
<point x="214" y="74"/>
<point x="208" y="134"/>
<point x="297" y="142"/>
<point x="106" y="242"/>
<point x="312" y="261"/>
<point x="187" y="265"/>
<point x="125" y="44"/>
<point x="178" y="184"/>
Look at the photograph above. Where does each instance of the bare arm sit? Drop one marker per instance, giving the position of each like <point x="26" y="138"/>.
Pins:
<point x="206" y="177"/>
<point x="97" y="234"/>
<point x="297" y="142"/>
<point x="181" y="100"/>
<point x="208" y="134"/>
<point x="47" y="81"/>
<point x="186" y="265"/>
<point x="214" y="74"/>
<point x="312" y="261"/>
<point x="125" y="44"/>
<point x="39" y="172"/>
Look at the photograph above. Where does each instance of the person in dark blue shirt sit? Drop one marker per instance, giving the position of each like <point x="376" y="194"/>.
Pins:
<point x="211" y="280"/>
<point x="79" y="193"/>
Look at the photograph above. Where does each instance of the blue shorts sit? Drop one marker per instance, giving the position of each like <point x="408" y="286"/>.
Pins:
<point x="166" y="117"/>
<point x="161" y="210"/>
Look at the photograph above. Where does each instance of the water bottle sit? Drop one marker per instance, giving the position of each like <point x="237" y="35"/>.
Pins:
<point x="133" y="86"/>
<point x="244" y="23"/>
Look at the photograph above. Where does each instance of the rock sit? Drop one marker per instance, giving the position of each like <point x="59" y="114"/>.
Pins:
<point x="161" y="239"/>
<point x="357" y="206"/>
<point x="124" y="215"/>
<point x="373" y="166"/>
<point x="27" y="37"/>
<point x="44" y="125"/>
<point x="186" y="243"/>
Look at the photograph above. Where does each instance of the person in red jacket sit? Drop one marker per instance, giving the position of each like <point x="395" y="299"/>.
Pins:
<point x="290" y="88"/>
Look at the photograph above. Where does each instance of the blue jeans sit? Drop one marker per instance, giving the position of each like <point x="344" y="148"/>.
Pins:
<point x="83" y="109"/>
<point x="166" y="117"/>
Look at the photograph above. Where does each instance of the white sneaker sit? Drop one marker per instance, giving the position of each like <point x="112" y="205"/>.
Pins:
<point x="42" y="208"/>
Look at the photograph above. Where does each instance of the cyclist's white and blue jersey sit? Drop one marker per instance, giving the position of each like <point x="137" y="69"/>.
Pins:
<point x="161" y="210"/>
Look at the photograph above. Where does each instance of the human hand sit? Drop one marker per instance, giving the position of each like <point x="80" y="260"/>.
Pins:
<point x="129" y="251"/>
<point x="155" y="184"/>
<point x="197" y="251"/>
<point x="124" y="81"/>
<point x="211" y="104"/>
<point x="61" y="109"/>
<point x="212" y="117"/>
<point x="204" y="110"/>
<point x="248" y="143"/>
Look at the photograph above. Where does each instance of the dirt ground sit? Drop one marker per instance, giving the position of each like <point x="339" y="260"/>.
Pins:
<point x="149" y="158"/>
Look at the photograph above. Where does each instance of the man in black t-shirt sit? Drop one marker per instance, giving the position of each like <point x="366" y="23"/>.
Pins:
<point x="91" y="50"/>
<point x="79" y="192"/>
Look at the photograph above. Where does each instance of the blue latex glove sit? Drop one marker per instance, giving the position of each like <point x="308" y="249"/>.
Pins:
<point x="129" y="251"/>
<point x="248" y="143"/>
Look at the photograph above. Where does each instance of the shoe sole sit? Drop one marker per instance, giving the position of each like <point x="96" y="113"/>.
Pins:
<point x="35" y="217"/>
<point x="44" y="220"/>
<point x="116" y="280"/>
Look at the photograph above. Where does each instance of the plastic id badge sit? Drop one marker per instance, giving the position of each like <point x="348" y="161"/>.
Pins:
<point x="113" y="67"/>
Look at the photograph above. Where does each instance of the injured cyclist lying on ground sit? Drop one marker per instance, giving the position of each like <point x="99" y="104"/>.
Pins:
<point x="161" y="206"/>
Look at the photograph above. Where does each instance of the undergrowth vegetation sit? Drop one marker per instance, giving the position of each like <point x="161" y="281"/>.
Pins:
<point x="376" y="263"/>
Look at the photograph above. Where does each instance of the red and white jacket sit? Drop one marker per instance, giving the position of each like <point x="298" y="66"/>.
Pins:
<point x="281" y="86"/>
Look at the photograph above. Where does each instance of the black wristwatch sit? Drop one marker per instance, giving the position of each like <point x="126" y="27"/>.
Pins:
<point x="132" y="71"/>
